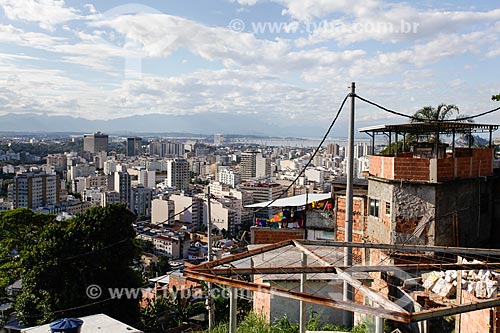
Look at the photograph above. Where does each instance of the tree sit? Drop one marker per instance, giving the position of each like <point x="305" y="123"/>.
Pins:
<point x="171" y="309"/>
<point x="62" y="258"/>
<point x="162" y="266"/>
<point x="496" y="97"/>
<point x="441" y="113"/>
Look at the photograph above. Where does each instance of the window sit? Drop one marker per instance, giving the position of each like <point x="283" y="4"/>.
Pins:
<point x="374" y="203"/>
<point x="387" y="208"/>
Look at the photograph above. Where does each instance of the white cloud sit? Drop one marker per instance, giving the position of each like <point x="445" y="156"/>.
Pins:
<point x="445" y="46"/>
<point x="161" y="35"/>
<point x="47" y="13"/>
<point x="397" y="23"/>
<point x="90" y="7"/>
<point x="304" y="10"/>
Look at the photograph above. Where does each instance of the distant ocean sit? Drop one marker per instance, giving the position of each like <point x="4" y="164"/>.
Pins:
<point x="294" y="142"/>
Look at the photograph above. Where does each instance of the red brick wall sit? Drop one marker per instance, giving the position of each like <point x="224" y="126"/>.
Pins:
<point x="263" y="235"/>
<point x="358" y="225"/>
<point x="445" y="169"/>
<point x="477" y="321"/>
<point x="357" y="217"/>
<point x="376" y="166"/>
<point x="411" y="168"/>
<point x="182" y="283"/>
<point x="467" y="163"/>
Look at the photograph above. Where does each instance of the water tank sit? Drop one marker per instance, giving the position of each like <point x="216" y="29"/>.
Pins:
<point x="66" y="325"/>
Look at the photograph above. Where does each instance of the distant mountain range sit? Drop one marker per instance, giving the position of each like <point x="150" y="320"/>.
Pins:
<point x="207" y="123"/>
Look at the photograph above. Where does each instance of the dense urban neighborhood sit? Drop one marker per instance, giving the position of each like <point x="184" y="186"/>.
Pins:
<point x="249" y="166"/>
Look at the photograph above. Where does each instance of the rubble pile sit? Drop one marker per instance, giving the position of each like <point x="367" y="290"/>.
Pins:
<point x="480" y="283"/>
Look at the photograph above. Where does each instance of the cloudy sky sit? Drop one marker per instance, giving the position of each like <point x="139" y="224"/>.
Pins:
<point x="281" y="60"/>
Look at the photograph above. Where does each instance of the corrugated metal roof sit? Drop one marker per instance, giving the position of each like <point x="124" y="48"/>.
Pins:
<point x="295" y="201"/>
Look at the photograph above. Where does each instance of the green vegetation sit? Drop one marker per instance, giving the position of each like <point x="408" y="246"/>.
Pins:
<point x="44" y="148"/>
<point x="389" y="150"/>
<point x="496" y="97"/>
<point x="441" y="113"/>
<point x="171" y="309"/>
<point x="254" y="323"/>
<point x="58" y="260"/>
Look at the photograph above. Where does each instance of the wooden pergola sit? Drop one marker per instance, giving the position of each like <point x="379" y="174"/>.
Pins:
<point x="228" y="271"/>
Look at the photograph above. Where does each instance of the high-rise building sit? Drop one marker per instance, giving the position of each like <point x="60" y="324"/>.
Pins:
<point x="109" y="198"/>
<point x="59" y="161"/>
<point x="188" y="209"/>
<point x="218" y="139"/>
<point x="33" y="190"/>
<point x="362" y="149"/>
<point x="141" y="199"/>
<point x="263" y="192"/>
<point x="134" y="146"/>
<point x="178" y="173"/>
<point x="333" y="149"/>
<point x="95" y="142"/>
<point x="229" y="177"/>
<point x="147" y="178"/>
<point x="162" y="211"/>
<point x="254" y="165"/>
<point x="166" y="149"/>
<point x="123" y="186"/>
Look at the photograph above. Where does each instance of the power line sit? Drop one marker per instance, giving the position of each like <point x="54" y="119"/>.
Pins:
<point x="387" y="110"/>
<point x="312" y="156"/>
<point x="84" y="305"/>
<point x="460" y="119"/>
<point x="480" y="114"/>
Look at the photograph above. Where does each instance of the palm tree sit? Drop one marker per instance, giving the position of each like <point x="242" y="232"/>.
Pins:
<point x="441" y="113"/>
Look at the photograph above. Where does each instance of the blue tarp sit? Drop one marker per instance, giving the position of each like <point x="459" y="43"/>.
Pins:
<point x="66" y="324"/>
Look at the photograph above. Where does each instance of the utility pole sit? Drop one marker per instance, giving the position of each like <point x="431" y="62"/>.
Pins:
<point x="302" y="308"/>
<point x="211" y="314"/>
<point x="347" y="290"/>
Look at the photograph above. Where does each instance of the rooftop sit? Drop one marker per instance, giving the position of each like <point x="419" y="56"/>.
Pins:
<point x="431" y="127"/>
<point x="295" y="201"/>
<point x="92" y="324"/>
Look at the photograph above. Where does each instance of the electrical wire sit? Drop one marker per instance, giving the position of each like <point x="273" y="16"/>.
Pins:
<point x="312" y="156"/>
<point x="460" y="119"/>
<point x="84" y="305"/>
<point x="388" y="110"/>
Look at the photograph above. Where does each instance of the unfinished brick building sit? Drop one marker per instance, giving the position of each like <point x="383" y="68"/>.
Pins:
<point x="429" y="194"/>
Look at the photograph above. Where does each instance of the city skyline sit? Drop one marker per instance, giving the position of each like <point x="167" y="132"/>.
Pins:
<point x="283" y="62"/>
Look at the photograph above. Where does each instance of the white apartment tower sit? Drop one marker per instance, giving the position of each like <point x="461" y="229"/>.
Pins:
<point x="147" y="178"/>
<point x="33" y="190"/>
<point x="229" y="177"/>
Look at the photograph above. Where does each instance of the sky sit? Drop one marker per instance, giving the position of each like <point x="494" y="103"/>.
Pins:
<point x="284" y="61"/>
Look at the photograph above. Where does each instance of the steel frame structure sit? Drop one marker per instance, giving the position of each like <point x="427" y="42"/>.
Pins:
<point x="382" y="307"/>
